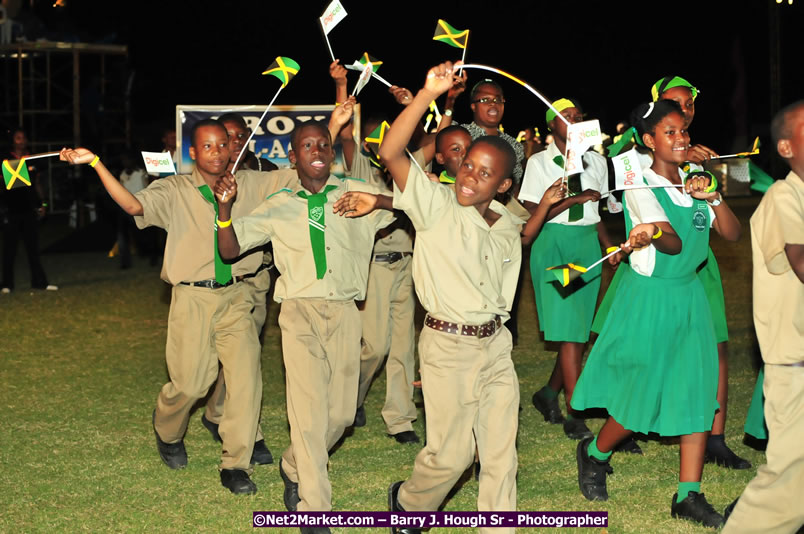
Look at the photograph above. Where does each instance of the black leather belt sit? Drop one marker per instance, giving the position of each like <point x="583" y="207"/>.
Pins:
<point x="214" y="284"/>
<point x="474" y="330"/>
<point x="390" y="257"/>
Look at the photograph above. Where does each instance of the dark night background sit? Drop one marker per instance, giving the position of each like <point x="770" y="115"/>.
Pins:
<point x="605" y="54"/>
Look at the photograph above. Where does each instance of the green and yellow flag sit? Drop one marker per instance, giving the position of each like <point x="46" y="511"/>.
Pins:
<point x="566" y="273"/>
<point x="449" y="35"/>
<point x="283" y="68"/>
<point x="366" y="58"/>
<point x="754" y="150"/>
<point x="374" y="139"/>
<point x="15" y="173"/>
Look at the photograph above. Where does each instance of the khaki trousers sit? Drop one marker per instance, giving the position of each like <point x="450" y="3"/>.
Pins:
<point x="772" y="501"/>
<point x="388" y="329"/>
<point x="471" y="396"/>
<point x="321" y="351"/>
<point x="206" y="326"/>
<point x="259" y="284"/>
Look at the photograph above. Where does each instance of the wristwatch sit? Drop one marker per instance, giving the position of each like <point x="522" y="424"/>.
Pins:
<point x="448" y="112"/>
<point x="716" y="202"/>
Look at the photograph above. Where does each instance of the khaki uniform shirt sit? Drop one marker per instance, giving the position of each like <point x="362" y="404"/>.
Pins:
<point x="175" y="204"/>
<point x="399" y="240"/>
<point x="283" y="219"/>
<point x="465" y="271"/>
<point x="778" y="293"/>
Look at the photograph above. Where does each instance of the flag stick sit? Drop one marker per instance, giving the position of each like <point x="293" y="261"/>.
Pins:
<point x="463" y="56"/>
<point x="414" y="160"/>
<point x="326" y="38"/>
<point x="601" y="260"/>
<point x="245" y="145"/>
<point x="520" y="82"/>
<point x="605" y="194"/>
<point x="42" y="155"/>
<point x="380" y="79"/>
<point x="737" y="155"/>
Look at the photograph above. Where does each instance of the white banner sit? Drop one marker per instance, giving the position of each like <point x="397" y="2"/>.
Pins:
<point x="332" y="16"/>
<point x="581" y="136"/>
<point x="627" y="171"/>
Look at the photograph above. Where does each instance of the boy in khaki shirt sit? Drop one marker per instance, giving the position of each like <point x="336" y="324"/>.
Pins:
<point x="465" y="267"/>
<point x="323" y="262"/>
<point x="203" y="288"/>
<point x="771" y="503"/>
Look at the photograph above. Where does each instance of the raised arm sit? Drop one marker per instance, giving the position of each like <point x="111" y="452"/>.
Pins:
<point x="392" y="150"/>
<point x="119" y="194"/>
<point x="340" y="117"/>
<point x="228" y="246"/>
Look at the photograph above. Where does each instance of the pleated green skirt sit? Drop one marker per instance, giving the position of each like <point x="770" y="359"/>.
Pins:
<point x="709" y="274"/>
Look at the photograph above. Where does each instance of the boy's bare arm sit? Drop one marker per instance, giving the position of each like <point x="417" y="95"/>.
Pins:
<point x="119" y="194"/>
<point x="392" y="151"/>
<point x="228" y="246"/>
<point x="338" y="129"/>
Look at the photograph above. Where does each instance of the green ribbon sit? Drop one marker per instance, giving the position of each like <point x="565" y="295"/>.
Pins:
<point x="445" y="178"/>
<point x="223" y="271"/>
<point x="629" y="135"/>
<point x="315" y="218"/>
<point x="573" y="188"/>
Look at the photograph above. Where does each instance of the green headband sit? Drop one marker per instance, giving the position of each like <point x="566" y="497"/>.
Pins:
<point x="668" y="82"/>
<point x="561" y="104"/>
<point x="629" y="135"/>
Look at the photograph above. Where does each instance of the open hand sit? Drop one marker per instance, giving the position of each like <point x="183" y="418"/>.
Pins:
<point x="355" y="204"/>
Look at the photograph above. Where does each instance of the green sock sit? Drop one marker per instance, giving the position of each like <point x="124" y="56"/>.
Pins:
<point x="684" y="488"/>
<point x="602" y="456"/>
<point x="548" y="393"/>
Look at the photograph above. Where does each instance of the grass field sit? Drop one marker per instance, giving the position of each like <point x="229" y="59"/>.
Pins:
<point x="80" y="370"/>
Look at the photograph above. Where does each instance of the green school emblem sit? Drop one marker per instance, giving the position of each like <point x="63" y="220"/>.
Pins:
<point x="316" y="213"/>
<point x="699" y="220"/>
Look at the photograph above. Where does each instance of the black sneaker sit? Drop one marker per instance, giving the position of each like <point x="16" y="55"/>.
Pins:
<point x="577" y="429"/>
<point x="360" y="417"/>
<point x="394" y="506"/>
<point x="173" y="454"/>
<point x="238" y="482"/>
<point x="628" y="445"/>
<point x="291" y="494"/>
<point x="548" y="408"/>
<point x="212" y="427"/>
<point x="261" y="455"/>
<point x="695" y="508"/>
<point x="592" y="473"/>
<point x="315" y="530"/>
<point x="717" y="452"/>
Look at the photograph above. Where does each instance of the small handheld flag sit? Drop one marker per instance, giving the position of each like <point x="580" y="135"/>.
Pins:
<point x="15" y="173"/>
<point x="283" y="68"/>
<point x="329" y="19"/>
<point x="374" y="139"/>
<point x="366" y="59"/>
<point x="365" y="76"/>
<point x="569" y="271"/>
<point x="627" y="170"/>
<point x="754" y="150"/>
<point x="158" y="162"/>
<point x="449" y="35"/>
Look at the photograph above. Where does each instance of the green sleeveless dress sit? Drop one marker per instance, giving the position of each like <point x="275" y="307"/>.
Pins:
<point x="654" y="366"/>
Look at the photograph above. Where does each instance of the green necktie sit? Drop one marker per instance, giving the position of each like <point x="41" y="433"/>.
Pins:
<point x="315" y="218"/>
<point x="573" y="188"/>
<point x="223" y="271"/>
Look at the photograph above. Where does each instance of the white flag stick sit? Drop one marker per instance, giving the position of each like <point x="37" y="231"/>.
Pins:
<point x="42" y="155"/>
<point x="380" y="79"/>
<point x="601" y="260"/>
<point x="605" y="194"/>
<point x="463" y="55"/>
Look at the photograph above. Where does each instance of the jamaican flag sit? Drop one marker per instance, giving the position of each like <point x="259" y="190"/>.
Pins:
<point x="15" y="173"/>
<point x="449" y="35"/>
<point x="566" y="273"/>
<point x="366" y="58"/>
<point x="374" y="140"/>
<point x="283" y="68"/>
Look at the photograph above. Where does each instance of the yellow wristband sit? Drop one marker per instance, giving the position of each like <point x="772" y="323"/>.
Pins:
<point x="611" y="249"/>
<point x="223" y="224"/>
<point x="94" y="161"/>
<point x="658" y="233"/>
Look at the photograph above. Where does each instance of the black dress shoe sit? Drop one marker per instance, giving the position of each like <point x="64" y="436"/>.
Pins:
<point x="394" y="506"/>
<point x="173" y="454"/>
<point x="261" y="455"/>
<point x="628" y="445"/>
<point x="360" y="417"/>
<point x="291" y="494"/>
<point x="717" y="452"/>
<point x="729" y="509"/>
<point x="577" y="429"/>
<point x="212" y="427"/>
<point x="408" y="436"/>
<point x="548" y="408"/>
<point x="238" y="482"/>
<point x="592" y="473"/>
<point x="695" y="508"/>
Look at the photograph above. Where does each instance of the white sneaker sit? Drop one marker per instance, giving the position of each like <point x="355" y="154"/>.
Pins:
<point x="51" y="287"/>
<point x="5" y="291"/>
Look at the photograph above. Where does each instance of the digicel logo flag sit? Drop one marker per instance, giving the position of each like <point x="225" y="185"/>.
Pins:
<point x="627" y="172"/>
<point x="158" y="162"/>
<point x="332" y="16"/>
<point x="581" y="136"/>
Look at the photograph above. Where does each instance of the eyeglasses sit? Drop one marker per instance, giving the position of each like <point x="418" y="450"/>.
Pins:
<point x="489" y="100"/>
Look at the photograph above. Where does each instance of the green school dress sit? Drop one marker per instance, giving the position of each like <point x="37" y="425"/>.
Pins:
<point x="709" y="275"/>
<point x="565" y="313"/>
<point x="654" y="366"/>
<point x="755" y="419"/>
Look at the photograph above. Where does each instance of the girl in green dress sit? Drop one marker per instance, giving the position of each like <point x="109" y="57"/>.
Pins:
<point x="666" y="382"/>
